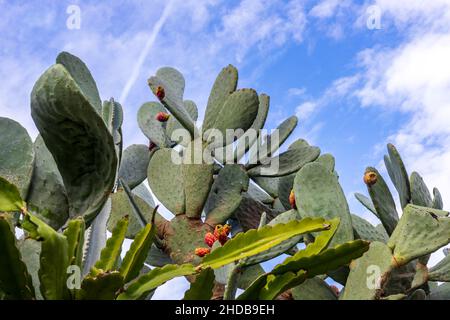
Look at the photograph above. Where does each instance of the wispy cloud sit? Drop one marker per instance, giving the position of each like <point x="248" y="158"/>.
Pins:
<point x="148" y="46"/>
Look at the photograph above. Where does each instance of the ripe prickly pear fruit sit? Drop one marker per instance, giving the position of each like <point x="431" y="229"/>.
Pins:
<point x="210" y="239"/>
<point x="221" y="233"/>
<point x="162" y="116"/>
<point x="292" y="200"/>
<point x="201" y="252"/>
<point x="160" y="93"/>
<point x="370" y="178"/>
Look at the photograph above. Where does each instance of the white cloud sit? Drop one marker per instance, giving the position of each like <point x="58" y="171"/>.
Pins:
<point x="305" y="110"/>
<point x="296" y="92"/>
<point x="338" y="89"/>
<point x="327" y="8"/>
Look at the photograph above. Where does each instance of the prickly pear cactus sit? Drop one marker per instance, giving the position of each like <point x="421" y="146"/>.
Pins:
<point x="240" y="204"/>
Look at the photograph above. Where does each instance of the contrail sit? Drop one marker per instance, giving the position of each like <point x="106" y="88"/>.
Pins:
<point x="156" y="29"/>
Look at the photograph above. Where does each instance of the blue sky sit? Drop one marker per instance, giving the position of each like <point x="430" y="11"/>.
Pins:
<point x="352" y="87"/>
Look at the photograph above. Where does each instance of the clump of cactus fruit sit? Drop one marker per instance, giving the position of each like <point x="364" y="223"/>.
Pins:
<point x="76" y="181"/>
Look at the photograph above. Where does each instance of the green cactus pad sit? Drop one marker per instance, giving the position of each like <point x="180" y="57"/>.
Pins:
<point x="441" y="271"/>
<point x="399" y="176"/>
<point x="258" y="193"/>
<point x="285" y="186"/>
<point x="313" y="289"/>
<point x="437" y="199"/>
<point x="249" y="212"/>
<point x="266" y="147"/>
<point x="381" y="230"/>
<point x="133" y="168"/>
<point x="17" y="155"/>
<point x="419" y="232"/>
<point x="441" y="292"/>
<point x="82" y="76"/>
<point x="249" y="138"/>
<point x="299" y="143"/>
<point x="420" y="195"/>
<point x="173" y="124"/>
<point x="153" y="129"/>
<point x="165" y="179"/>
<point x="248" y="275"/>
<point x="226" y="194"/>
<point x="238" y="112"/>
<point x="366" y="202"/>
<point x="319" y="194"/>
<point x="174" y="79"/>
<point x="120" y="207"/>
<point x="383" y="202"/>
<point x="185" y="236"/>
<point x="142" y="192"/>
<point x="269" y="184"/>
<point x="171" y="182"/>
<point x="288" y="162"/>
<point x="362" y="282"/>
<point x="47" y="191"/>
<point x="366" y="231"/>
<point x="157" y="258"/>
<point x="327" y="160"/>
<point x="224" y="85"/>
<point x="85" y="153"/>
<point x="198" y="177"/>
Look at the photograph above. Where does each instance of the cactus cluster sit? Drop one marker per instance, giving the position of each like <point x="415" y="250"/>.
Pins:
<point x="231" y="214"/>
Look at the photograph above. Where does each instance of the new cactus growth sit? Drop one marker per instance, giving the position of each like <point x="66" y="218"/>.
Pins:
<point x="246" y="214"/>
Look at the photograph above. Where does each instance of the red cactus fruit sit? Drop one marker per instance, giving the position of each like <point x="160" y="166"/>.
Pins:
<point x="201" y="252"/>
<point x="227" y="229"/>
<point x="210" y="239"/>
<point x="221" y="233"/>
<point x="160" y="93"/>
<point x="292" y="200"/>
<point x="162" y="116"/>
